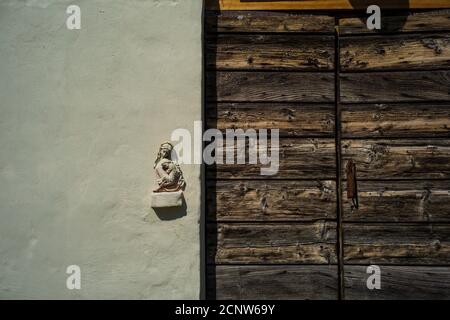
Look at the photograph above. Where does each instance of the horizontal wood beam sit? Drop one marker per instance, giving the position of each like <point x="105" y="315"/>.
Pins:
<point x="323" y="4"/>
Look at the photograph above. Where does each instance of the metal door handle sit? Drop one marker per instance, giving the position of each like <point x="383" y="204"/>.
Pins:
<point x="352" y="188"/>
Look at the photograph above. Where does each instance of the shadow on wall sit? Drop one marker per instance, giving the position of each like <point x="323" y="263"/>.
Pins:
<point x="362" y="4"/>
<point x="167" y="214"/>
<point x="210" y="116"/>
<point x="395" y="24"/>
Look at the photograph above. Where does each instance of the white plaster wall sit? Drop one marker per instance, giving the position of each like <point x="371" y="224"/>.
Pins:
<point x="82" y="114"/>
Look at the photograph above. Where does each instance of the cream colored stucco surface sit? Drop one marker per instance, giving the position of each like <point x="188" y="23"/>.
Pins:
<point x="82" y="114"/>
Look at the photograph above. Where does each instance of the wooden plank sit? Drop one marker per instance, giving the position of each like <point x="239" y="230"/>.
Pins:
<point x="400" y="52"/>
<point x="295" y="120"/>
<point x="270" y="52"/>
<point x="271" y="200"/>
<point x="323" y="4"/>
<point x="267" y="21"/>
<point x="298" y="159"/>
<point x="412" y="22"/>
<point x="399" y="283"/>
<point x="269" y="86"/>
<point x="273" y="282"/>
<point x="396" y="120"/>
<point x="400" y="201"/>
<point x="398" y="159"/>
<point x="395" y="86"/>
<point x="272" y="243"/>
<point x="405" y="244"/>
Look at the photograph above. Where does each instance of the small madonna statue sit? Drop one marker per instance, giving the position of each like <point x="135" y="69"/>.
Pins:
<point x="170" y="179"/>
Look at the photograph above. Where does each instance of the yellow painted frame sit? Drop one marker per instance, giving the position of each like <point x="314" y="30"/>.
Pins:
<point x="323" y="4"/>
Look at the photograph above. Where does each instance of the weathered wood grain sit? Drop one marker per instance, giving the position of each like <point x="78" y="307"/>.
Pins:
<point x="295" y="120"/>
<point x="438" y="20"/>
<point x="405" y="244"/>
<point x="273" y="282"/>
<point x="272" y="243"/>
<point x="402" y="158"/>
<point x="323" y="4"/>
<point x="298" y="159"/>
<point x="270" y="86"/>
<point x="400" y="201"/>
<point x="395" y="86"/>
<point x="399" y="283"/>
<point x="270" y="52"/>
<point x="267" y="21"/>
<point x="399" y="52"/>
<point x="395" y="120"/>
<point x="271" y="200"/>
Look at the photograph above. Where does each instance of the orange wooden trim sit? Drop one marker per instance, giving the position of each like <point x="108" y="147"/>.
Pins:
<point x="324" y="4"/>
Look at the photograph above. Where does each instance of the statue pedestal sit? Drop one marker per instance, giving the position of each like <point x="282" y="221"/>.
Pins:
<point x="167" y="199"/>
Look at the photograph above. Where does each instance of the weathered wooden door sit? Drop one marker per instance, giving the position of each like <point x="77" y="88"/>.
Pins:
<point x="337" y="92"/>
<point x="394" y="106"/>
